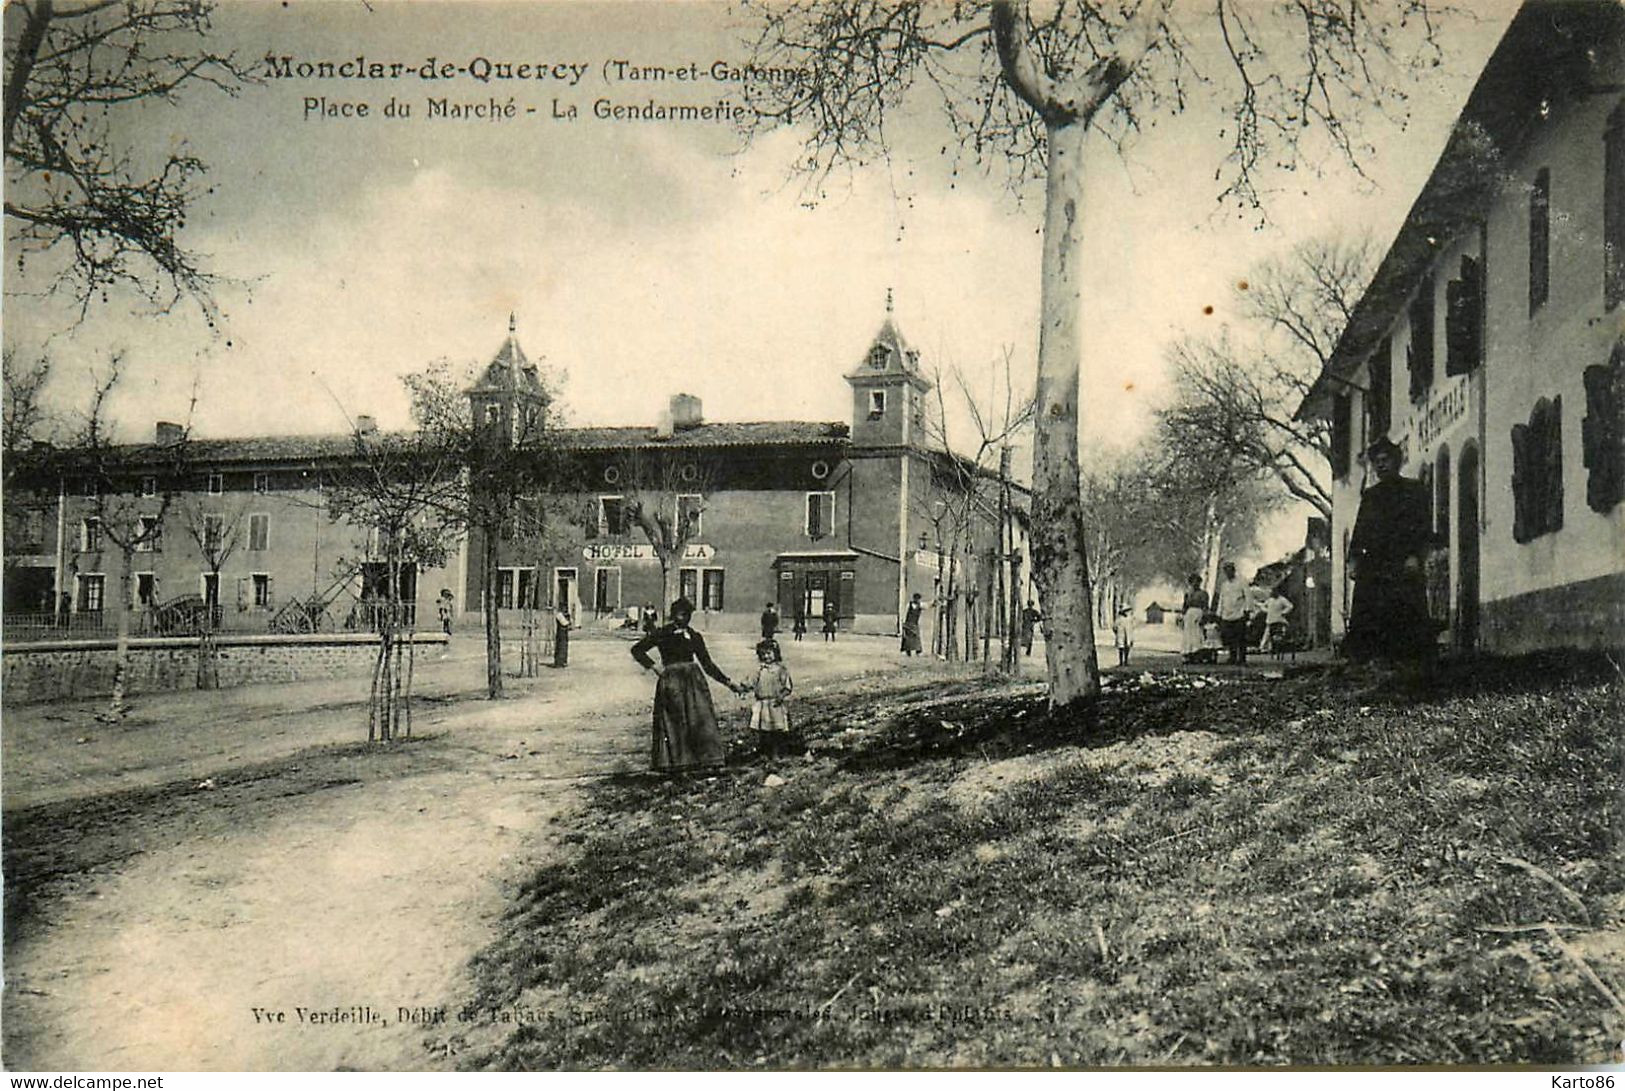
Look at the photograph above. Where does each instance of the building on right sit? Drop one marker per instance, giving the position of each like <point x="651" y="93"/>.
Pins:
<point x="1490" y="346"/>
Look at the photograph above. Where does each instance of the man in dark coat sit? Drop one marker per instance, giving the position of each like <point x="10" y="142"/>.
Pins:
<point x="1392" y="535"/>
<point x="770" y="621"/>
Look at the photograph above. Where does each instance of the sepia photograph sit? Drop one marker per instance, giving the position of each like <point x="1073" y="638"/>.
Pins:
<point x="806" y="535"/>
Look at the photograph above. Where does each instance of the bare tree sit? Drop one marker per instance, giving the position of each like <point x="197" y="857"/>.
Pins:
<point x="969" y="495"/>
<point x="216" y="532"/>
<point x="129" y="491"/>
<point x="1241" y="392"/>
<point x="664" y="496"/>
<point x="512" y="458"/>
<point x="1026" y="92"/>
<point x="112" y="214"/>
<point x="405" y="493"/>
<point x="27" y="420"/>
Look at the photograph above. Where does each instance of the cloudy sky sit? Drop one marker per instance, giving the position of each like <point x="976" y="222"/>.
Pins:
<point x="641" y="258"/>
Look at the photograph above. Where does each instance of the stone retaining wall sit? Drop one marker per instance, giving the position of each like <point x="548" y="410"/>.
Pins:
<point x="65" y="669"/>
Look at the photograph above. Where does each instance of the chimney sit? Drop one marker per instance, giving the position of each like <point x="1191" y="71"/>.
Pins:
<point x="685" y="411"/>
<point x="167" y="433"/>
<point x="663" y="426"/>
<point x="365" y="425"/>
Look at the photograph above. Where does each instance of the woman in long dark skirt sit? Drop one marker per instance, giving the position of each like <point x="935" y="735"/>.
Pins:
<point x="685" y="721"/>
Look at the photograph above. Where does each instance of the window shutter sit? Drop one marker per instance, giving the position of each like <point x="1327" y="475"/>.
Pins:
<point x="1342" y="407"/>
<point x="1379" y="400"/>
<point x="1601" y="436"/>
<point x="1540" y="236"/>
<point x="242" y="592"/>
<point x="1463" y="352"/>
<point x="1419" y="355"/>
<point x="1552" y="459"/>
<point x="1520" y="483"/>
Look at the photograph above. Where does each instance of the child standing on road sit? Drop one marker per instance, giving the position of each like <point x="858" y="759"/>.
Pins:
<point x="769" y="717"/>
<point x="1123" y="634"/>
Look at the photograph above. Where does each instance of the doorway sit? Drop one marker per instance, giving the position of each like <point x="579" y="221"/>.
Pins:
<point x="565" y="594"/>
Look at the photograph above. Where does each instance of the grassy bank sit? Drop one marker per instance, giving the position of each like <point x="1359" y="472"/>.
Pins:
<point x="1299" y="871"/>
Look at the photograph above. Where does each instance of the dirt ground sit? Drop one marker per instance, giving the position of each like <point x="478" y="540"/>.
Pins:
<point x="229" y="882"/>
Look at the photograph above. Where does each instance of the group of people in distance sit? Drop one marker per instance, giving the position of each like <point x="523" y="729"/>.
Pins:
<point x="1225" y="620"/>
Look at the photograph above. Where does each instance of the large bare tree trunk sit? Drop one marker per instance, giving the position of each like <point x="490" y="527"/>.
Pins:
<point x="1060" y="562"/>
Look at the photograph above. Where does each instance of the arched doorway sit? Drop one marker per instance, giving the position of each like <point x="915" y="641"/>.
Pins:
<point x="1438" y="569"/>
<point x="1467" y="548"/>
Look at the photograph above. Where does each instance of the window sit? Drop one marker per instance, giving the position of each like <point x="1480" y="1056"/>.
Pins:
<point x="1537" y="472"/>
<point x="209" y="583"/>
<point x="1613" y="209"/>
<point x="149" y="534"/>
<point x="712" y="588"/>
<point x="1601" y="435"/>
<point x="93" y="488"/>
<point x="214" y="533"/>
<point x="217" y="484"/>
<point x="690" y="508"/>
<point x="611" y="516"/>
<point x="877" y="404"/>
<point x="525" y="588"/>
<point x="149" y="486"/>
<point x="1419" y="355"/>
<point x="493" y="415"/>
<point x="688" y="580"/>
<point x="1380" y="397"/>
<point x="92" y="588"/>
<point x="90" y="535"/>
<point x="820" y="515"/>
<point x="262" y="589"/>
<point x="506" y="578"/>
<point x="1540" y="239"/>
<point x="262" y="482"/>
<point x="146" y="589"/>
<point x="259" y="532"/>
<point x="878" y="357"/>
<point x="1463" y="319"/>
<point x="1342" y="440"/>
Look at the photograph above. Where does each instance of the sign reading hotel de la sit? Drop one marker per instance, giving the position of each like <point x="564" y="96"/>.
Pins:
<point x="641" y="552"/>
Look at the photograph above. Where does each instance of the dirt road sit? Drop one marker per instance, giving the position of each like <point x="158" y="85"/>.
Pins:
<point x="228" y="884"/>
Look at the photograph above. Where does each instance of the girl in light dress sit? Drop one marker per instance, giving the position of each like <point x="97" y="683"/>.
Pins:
<point x="770" y="716"/>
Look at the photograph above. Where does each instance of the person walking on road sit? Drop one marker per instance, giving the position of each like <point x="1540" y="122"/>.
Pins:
<point x="1193" y="613"/>
<point x="911" y="626"/>
<point x="1123" y="634"/>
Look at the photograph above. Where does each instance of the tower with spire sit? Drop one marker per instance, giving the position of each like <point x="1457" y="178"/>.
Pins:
<point x="888" y="391"/>
<point x="508" y="399"/>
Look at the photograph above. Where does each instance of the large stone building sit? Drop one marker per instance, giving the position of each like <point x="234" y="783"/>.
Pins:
<point x="858" y="514"/>
<point x="1491" y="341"/>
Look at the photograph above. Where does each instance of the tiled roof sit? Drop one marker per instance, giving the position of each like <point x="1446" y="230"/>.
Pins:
<point x="341" y="445"/>
<point x="722" y="434"/>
